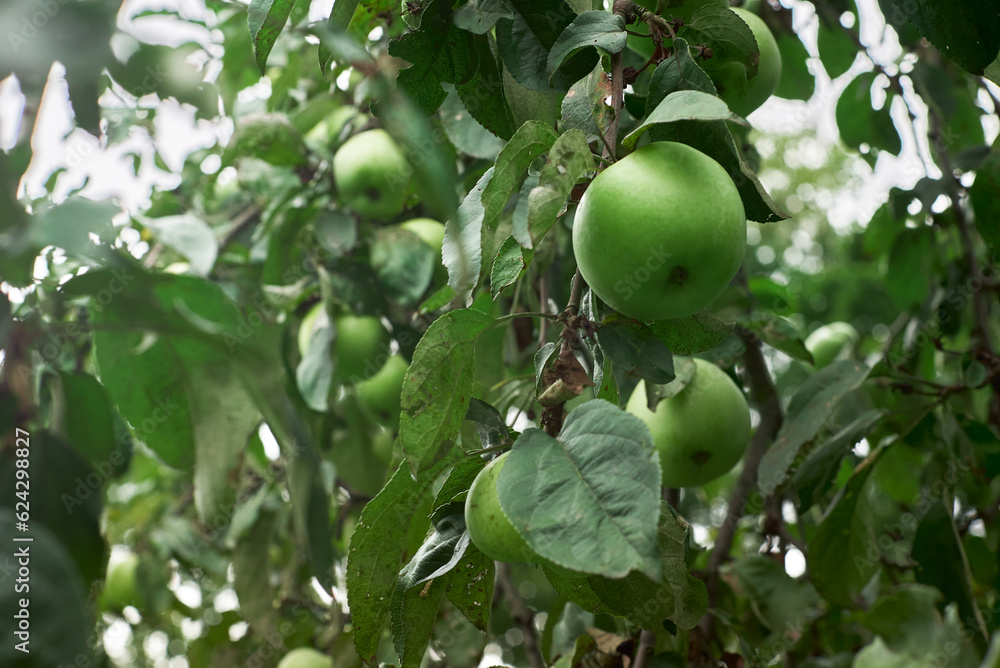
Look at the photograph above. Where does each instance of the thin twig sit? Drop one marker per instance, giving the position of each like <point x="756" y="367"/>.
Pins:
<point x="647" y="644"/>
<point x="768" y="402"/>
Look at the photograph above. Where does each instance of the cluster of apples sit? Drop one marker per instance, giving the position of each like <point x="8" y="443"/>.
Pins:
<point x="659" y="235"/>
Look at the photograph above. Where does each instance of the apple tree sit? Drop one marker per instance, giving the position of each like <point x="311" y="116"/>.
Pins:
<point x="493" y="333"/>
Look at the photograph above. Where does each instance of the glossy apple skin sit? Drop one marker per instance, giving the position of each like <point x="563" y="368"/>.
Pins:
<point x="660" y="233"/>
<point x="372" y="175"/>
<point x="828" y="342"/>
<point x="379" y="396"/>
<point x="701" y="432"/>
<point x="305" y="657"/>
<point x="745" y="95"/>
<point x="488" y="526"/>
<point x="120" y="584"/>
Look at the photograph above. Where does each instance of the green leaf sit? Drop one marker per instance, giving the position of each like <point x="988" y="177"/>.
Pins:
<point x="490" y="424"/>
<point x="268" y="137"/>
<point x="579" y="591"/>
<point x="376" y="553"/>
<point x="462" y="250"/>
<point x="728" y="35"/>
<point x="479" y="16"/>
<point x="859" y="123"/>
<point x="839" y="560"/>
<point x="340" y="18"/>
<point x="910" y="267"/>
<point x="404" y="264"/>
<point x="837" y="50"/>
<point x="465" y="132"/>
<point x="60" y="620"/>
<point x="817" y="472"/>
<point x="584" y="645"/>
<point x="440" y="52"/>
<point x="65" y="498"/>
<point x="678" y="72"/>
<point x="678" y="596"/>
<point x="470" y="587"/>
<point x="579" y="508"/>
<point x="779" y="601"/>
<point x="484" y="96"/>
<point x="530" y="141"/>
<point x="778" y="333"/>
<point x="693" y="334"/>
<point x="314" y="374"/>
<point x="85" y="419"/>
<point x="583" y="107"/>
<point x="438" y="386"/>
<point x="635" y="349"/>
<point x="600" y="29"/>
<point x="509" y="265"/>
<point x="941" y="563"/>
<point x="967" y="32"/>
<point x="252" y="575"/>
<point x="524" y="43"/>
<point x="807" y="412"/>
<point x="266" y="19"/>
<point x="796" y="82"/>
<point x="985" y="198"/>
<point x="568" y="160"/>
<point x="190" y="236"/>
<point x="413" y="612"/>
<point x="69" y="225"/>
<point x="683" y="105"/>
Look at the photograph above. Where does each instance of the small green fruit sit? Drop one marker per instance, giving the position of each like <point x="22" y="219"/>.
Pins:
<point x="745" y="95"/>
<point x="488" y="526"/>
<point x="379" y="397"/>
<point x="430" y="231"/>
<point x="305" y="657"/>
<point x="361" y="347"/>
<point x="702" y="431"/>
<point x="660" y="233"/>
<point x="831" y="342"/>
<point x="372" y="174"/>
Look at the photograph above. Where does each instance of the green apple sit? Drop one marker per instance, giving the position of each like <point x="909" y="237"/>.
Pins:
<point x="372" y="174"/>
<point x="489" y="528"/>
<point x="830" y="342"/>
<point x="305" y="657"/>
<point x="379" y="397"/>
<point x="702" y="431"/>
<point x="120" y="583"/>
<point x="660" y="233"/>
<point x="361" y="347"/>
<point x="742" y="95"/>
<point x="430" y="231"/>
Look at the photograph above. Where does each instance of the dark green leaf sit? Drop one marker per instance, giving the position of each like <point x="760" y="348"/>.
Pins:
<point x="941" y="563"/>
<point x="600" y="29"/>
<point x="252" y="575"/>
<point x="508" y="266"/>
<point x="985" y="197"/>
<point x="810" y="408"/>
<point x="728" y="35"/>
<point x="470" y="586"/>
<point x="440" y="52"/>
<point x="583" y="107"/>
<point x="843" y="554"/>
<point x="438" y="386"/>
<point x="778" y="333"/>
<point x="635" y="349"/>
<point x="376" y="553"/>
<point x="479" y="16"/>
<point x="797" y="82"/>
<point x="836" y="49"/>
<point x="568" y="160"/>
<point x="88" y="424"/>
<point x="462" y="251"/>
<point x="404" y="264"/>
<point x="779" y="601"/>
<point x="266" y="19"/>
<point x="859" y="123"/>
<point x="413" y="612"/>
<point x="58" y="616"/>
<point x="968" y="32"/>
<point x="530" y="141"/>
<point x="693" y="334"/>
<point x="580" y="508"/>
<point x="910" y="264"/>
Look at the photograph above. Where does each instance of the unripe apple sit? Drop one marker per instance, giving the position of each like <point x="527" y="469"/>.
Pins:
<point x="431" y="232"/>
<point x="660" y="233"/>
<point x="830" y="342"/>
<point x="702" y="431"/>
<point x="305" y="657"/>
<point x="379" y="397"/>
<point x="745" y="95"/>
<point x="372" y="174"/>
<point x="361" y="347"/>
<point x="489" y="528"/>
